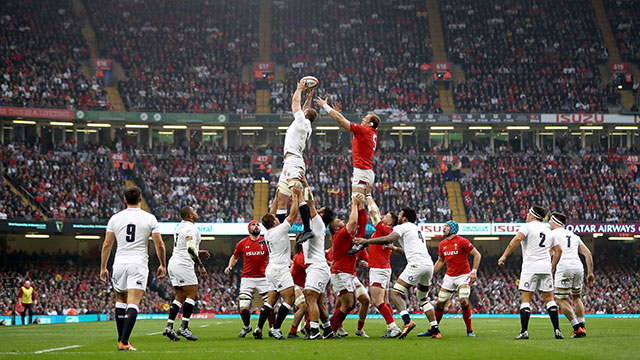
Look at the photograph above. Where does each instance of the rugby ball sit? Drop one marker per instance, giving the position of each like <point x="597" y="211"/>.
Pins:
<point x="311" y="82"/>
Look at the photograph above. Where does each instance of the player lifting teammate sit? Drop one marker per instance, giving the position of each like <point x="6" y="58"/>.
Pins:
<point x="254" y="253"/>
<point x="536" y="240"/>
<point x="295" y="142"/>
<point x="131" y="229"/>
<point x="569" y="273"/>
<point x="454" y="252"/>
<point x="280" y="281"/>
<point x="418" y="271"/>
<point x="186" y="254"/>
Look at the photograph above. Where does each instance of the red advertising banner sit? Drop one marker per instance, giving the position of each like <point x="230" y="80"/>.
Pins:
<point x="37" y="113"/>
<point x="632" y="159"/>
<point x="102" y="64"/>
<point x="580" y="118"/>
<point x="441" y="66"/>
<point x="619" y="67"/>
<point x="448" y="159"/>
<point x="118" y="157"/>
<point x="263" y="66"/>
<point x="261" y="159"/>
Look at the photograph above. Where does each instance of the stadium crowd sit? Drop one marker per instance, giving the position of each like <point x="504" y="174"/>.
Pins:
<point x="180" y="56"/>
<point x="69" y="284"/>
<point x="368" y="54"/>
<point x="623" y="16"/>
<point x="526" y="56"/>
<point x="42" y="51"/>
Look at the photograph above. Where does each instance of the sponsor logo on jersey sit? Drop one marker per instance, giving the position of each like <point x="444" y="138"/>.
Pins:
<point x="254" y="253"/>
<point x="448" y="253"/>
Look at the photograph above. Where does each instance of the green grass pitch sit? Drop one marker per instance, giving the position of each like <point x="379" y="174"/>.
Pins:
<point x="607" y="339"/>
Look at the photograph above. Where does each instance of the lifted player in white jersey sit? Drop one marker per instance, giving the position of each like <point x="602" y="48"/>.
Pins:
<point x="418" y="271"/>
<point x="569" y="273"/>
<point x="131" y="229"/>
<point x="295" y="141"/>
<point x="186" y="254"/>
<point x="537" y="267"/>
<point x="278" y="275"/>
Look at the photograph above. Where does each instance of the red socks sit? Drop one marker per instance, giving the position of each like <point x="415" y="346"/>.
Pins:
<point x="439" y="314"/>
<point x="272" y="319"/>
<point x="338" y="318"/>
<point x="293" y="330"/>
<point x="466" y="315"/>
<point x="360" y="324"/>
<point x="386" y="312"/>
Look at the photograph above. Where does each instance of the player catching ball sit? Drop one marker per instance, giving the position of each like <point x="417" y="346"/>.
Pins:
<point x="454" y="252"/>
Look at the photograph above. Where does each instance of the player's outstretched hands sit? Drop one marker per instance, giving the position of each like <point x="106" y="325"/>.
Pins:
<point x="104" y="275"/>
<point x="473" y="277"/>
<point x="320" y="102"/>
<point x="358" y="199"/>
<point x="227" y="270"/>
<point x="363" y="264"/>
<point x="590" y="279"/>
<point x="204" y="254"/>
<point x="297" y="189"/>
<point x="303" y="180"/>
<point x="367" y="189"/>
<point x="501" y="261"/>
<point x="302" y="86"/>
<point x="360" y="241"/>
<point x="162" y="272"/>
<point x="203" y="272"/>
<point x="310" y="94"/>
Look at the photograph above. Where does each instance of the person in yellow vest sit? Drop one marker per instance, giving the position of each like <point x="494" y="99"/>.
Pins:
<point x="26" y="297"/>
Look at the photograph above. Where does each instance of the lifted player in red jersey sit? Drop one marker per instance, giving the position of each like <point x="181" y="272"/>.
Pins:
<point x="365" y="138"/>
<point x="299" y="274"/>
<point x="256" y="258"/>
<point x="454" y="251"/>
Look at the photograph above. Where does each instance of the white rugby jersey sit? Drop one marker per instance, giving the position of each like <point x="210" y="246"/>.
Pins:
<point x="132" y="228"/>
<point x="314" y="247"/>
<point x="295" y="141"/>
<point x="570" y="243"/>
<point x="279" y="245"/>
<point x="538" y="240"/>
<point x="413" y="244"/>
<point x="180" y="254"/>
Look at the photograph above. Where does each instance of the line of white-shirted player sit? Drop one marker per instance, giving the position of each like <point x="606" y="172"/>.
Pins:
<point x="270" y="275"/>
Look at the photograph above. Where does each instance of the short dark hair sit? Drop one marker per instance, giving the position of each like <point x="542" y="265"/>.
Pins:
<point x="311" y="114"/>
<point x="185" y="211"/>
<point x="327" y="216"/>
<point x="560" y="216"/>
<point x="394" y="217"/>
<point x="539" y="210"/>
<point x="375" y="120"/>
<point x="409" y="213"/>
<point x="332" y="227"/>
<point x="268" y="220"/>
<point x="132" y="195"/>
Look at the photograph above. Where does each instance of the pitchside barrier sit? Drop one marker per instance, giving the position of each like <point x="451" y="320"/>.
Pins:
<point x="61" y="319"/>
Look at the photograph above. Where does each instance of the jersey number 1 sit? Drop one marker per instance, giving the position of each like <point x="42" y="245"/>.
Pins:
<point x="131" y="233"/>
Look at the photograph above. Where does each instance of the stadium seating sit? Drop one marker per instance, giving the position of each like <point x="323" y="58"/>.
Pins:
<point x="623" y="16"/>
<point x="366" y="54"/>
<point x="42" y="51"/>
<point x="526" y="56"/>
<point x="180" y="56"/>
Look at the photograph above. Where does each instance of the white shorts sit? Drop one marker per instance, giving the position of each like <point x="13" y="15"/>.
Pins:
<point x="569" y="279"/>
<point x="129" y="276"/>
<point x="414" y="274"/>
<point x="292" y="168"/>
<point x="317" y="277"/>
<point x="533" y="282"/>
<point x="362" y="177"/>
<point x="279" y="278"/>
<point x="380" y="277"/>
<point x="343" y="282"/>
<point x="452" y="283"/>
<point x="261" y="285"/>
<point x="181" y="275"/>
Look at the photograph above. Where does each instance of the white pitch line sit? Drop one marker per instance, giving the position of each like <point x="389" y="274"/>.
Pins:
<point x="56" y="349"/>
<point x="204" y="325"/>
<point x="155" y="333"/>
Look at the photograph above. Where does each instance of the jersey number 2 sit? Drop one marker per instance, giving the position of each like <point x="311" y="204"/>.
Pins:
<point x="131" y="233"/>
<point x="542" y="239"/>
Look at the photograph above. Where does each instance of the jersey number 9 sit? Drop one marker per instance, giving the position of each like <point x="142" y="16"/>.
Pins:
<point x="131" y="233"/>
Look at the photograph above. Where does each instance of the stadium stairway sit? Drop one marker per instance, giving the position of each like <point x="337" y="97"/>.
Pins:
<point x="24" y="198"/>
<point x="456" y="202"/>
<point x="439" y="53"/>
<point x="264" y="48"/>
<point x="260" y="198"/>
<point x="612" y="48"/>
<point x="145" y="206"/>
